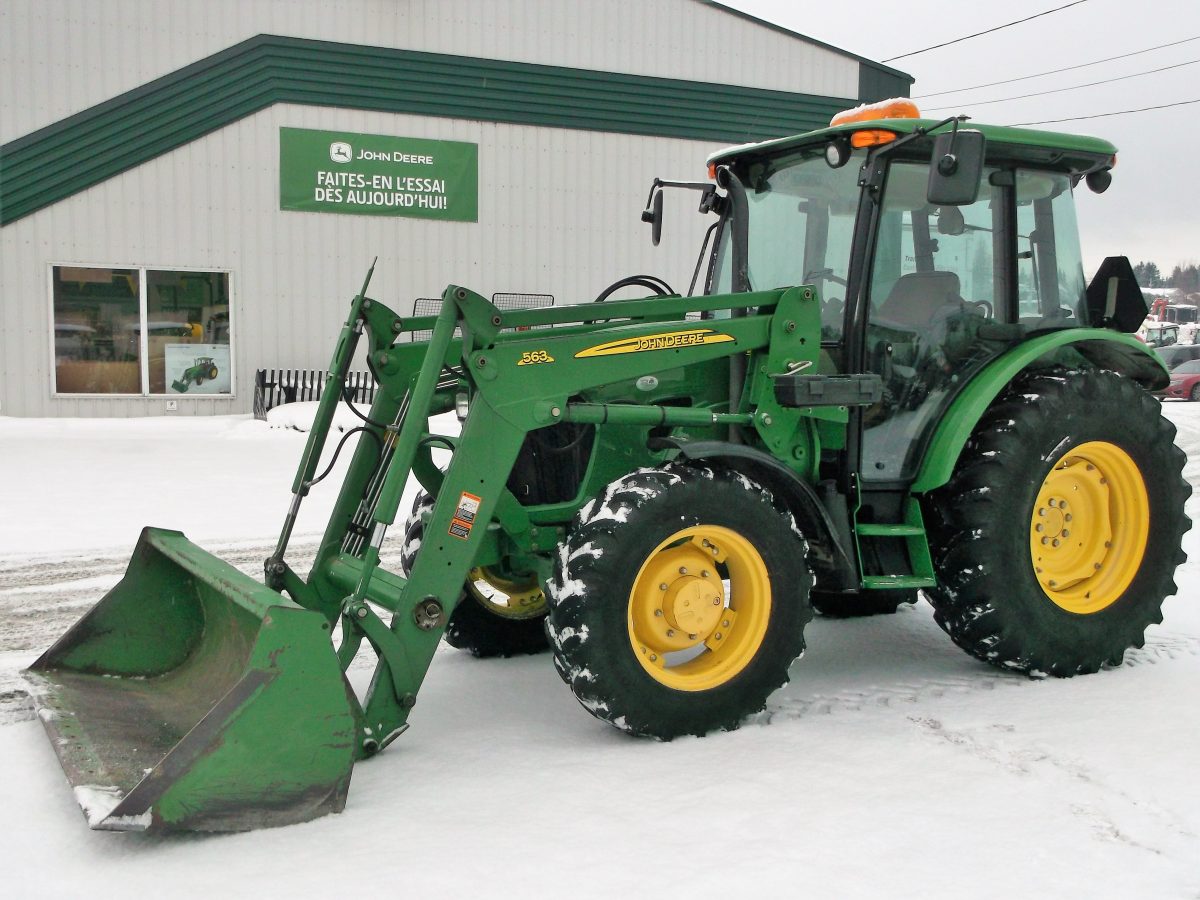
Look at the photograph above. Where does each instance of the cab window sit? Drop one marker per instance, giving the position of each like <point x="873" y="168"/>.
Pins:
<point x="801" y="225"/>
<point x="1051" y="288"/>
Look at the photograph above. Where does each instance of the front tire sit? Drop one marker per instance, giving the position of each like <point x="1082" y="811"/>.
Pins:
<point x="679" y="601"/>
<point x="1057" y="539"/>
<point x="496" y="616"/>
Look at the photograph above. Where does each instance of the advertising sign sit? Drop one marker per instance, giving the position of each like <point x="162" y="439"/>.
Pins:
<point x="198" y="368"/>
<point x="377" y="175"/>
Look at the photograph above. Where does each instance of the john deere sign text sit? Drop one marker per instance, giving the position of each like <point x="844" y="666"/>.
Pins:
<point x="376" y="175"/>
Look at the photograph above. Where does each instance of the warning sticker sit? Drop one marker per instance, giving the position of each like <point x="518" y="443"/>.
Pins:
<point x="464" y="515"/>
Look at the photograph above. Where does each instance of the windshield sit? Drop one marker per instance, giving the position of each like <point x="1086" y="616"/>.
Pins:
<point x="800" y="229"/>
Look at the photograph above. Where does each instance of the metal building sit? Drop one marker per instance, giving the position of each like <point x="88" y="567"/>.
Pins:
<point x="192" y="191"/>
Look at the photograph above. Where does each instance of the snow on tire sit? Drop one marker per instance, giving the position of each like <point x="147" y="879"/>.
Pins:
<point x="679" y="601"/>
<point x="1058" y="536"/>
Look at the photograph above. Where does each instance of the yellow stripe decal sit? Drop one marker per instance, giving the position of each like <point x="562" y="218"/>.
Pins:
<point x="672" y="340"/>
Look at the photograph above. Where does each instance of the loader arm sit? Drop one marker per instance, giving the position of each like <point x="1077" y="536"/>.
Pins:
<point x="517" y="381"/>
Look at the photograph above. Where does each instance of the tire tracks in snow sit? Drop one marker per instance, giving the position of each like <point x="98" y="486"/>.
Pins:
<point x="1108" y="812"/>
<point x="1159" y="648"/>
<point x="875" y="696"/>
<point x="40" y="599"/>
<point x="17" y="576"/>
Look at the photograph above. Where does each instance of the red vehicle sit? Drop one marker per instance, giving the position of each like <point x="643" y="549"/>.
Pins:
<point x="1185" y="381"/>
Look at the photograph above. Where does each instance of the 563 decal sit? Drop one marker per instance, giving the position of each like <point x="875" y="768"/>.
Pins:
<point x="533" y="357"/>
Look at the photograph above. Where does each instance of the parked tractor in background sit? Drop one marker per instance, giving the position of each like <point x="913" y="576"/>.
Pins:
<point x="894" y="378"/>
<point x="1170" y="323"/>
<point x="1159" y="334"/>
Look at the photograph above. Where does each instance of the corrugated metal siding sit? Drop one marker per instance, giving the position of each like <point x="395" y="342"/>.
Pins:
<point x="82" y="150"/>
<point x="558" y="208"/>
<point x="63" y="57"/>
<point x="558" y="214"/>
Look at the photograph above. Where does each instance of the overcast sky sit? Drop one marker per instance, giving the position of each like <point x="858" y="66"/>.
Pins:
<point x="1152" y="210"/>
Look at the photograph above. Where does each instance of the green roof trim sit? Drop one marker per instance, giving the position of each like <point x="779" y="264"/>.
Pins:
<point x="69" y="156"/>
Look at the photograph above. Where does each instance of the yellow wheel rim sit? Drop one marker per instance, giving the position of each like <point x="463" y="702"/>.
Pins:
<point x="509" y="598"/>
<point x="699" y="608"/>
<point x="1089" y="527"/>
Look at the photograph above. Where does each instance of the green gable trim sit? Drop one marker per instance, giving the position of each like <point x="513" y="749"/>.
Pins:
<point x="876" y="84"/>
<point x="71" y="155"/>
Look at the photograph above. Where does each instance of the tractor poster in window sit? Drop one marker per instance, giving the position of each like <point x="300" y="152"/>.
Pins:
<point x="198" y="369"/>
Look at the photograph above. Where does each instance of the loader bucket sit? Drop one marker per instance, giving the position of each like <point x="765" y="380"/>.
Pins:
<point x="193" y="697"/>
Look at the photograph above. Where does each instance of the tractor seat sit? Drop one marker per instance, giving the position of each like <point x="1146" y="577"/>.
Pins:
<point x="915" y="297"/>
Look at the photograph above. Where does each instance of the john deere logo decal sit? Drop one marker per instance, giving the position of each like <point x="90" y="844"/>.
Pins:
<point x="340" y="152"/>
<point x="674" y="340"/>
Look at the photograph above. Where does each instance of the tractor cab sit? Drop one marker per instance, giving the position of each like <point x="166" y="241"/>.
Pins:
<point x="918" y="284"/>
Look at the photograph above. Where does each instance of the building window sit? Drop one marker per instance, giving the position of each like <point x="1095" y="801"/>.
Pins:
<point x="148" y="332"/>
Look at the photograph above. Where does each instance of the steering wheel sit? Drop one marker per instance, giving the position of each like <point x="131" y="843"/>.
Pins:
<point x="985" y="305"/>
<point x="825" y="273"/>
<point x="651" y="282"/>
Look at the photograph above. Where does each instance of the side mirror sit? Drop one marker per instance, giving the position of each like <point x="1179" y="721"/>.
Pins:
<point x="956" y="169"/>
<point x="653" y="214"/>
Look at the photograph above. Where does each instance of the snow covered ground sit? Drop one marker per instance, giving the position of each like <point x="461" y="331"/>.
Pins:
<point x="892" y="766"/>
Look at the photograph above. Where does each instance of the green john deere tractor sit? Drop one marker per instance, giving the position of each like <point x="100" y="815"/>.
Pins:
<point x="204" y="369"/>
<point x="893" y="378"/>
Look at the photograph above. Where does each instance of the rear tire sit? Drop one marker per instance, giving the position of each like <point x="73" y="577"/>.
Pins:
<point x="488" y="620"/>
<point x="1194" y="394"/>
<point x="679" y="601"/>
<point x="1057" y="538"/>
<point x="864" y="603"/>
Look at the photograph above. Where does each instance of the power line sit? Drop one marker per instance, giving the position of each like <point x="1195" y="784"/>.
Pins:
<point x="1055" y="71"/>
<point x="974" y="103"/>
<point x="1121" y="112"/>
<point x="988" y="31"/>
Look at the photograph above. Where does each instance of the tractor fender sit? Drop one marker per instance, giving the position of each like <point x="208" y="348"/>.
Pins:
<point x="831" y="562"/>
<point x="1104" y="349"/>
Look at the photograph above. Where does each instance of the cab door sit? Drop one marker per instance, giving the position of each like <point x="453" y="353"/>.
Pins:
<point x="939" y="308"/>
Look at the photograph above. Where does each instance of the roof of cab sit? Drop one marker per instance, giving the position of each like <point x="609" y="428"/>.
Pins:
<point x="1066" y="145"/>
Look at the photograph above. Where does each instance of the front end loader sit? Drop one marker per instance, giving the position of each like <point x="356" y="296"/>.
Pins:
<point x="894" y="379"/>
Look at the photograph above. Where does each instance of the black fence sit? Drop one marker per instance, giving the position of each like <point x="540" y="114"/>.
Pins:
<point x="275" y="387"/>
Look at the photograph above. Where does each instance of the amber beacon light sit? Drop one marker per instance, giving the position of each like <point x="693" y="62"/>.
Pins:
<point x="898" y="108"/>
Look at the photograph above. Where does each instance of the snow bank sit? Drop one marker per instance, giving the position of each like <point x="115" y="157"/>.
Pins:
<point x="72" y="485"/>
<point x="300" y="416"/>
